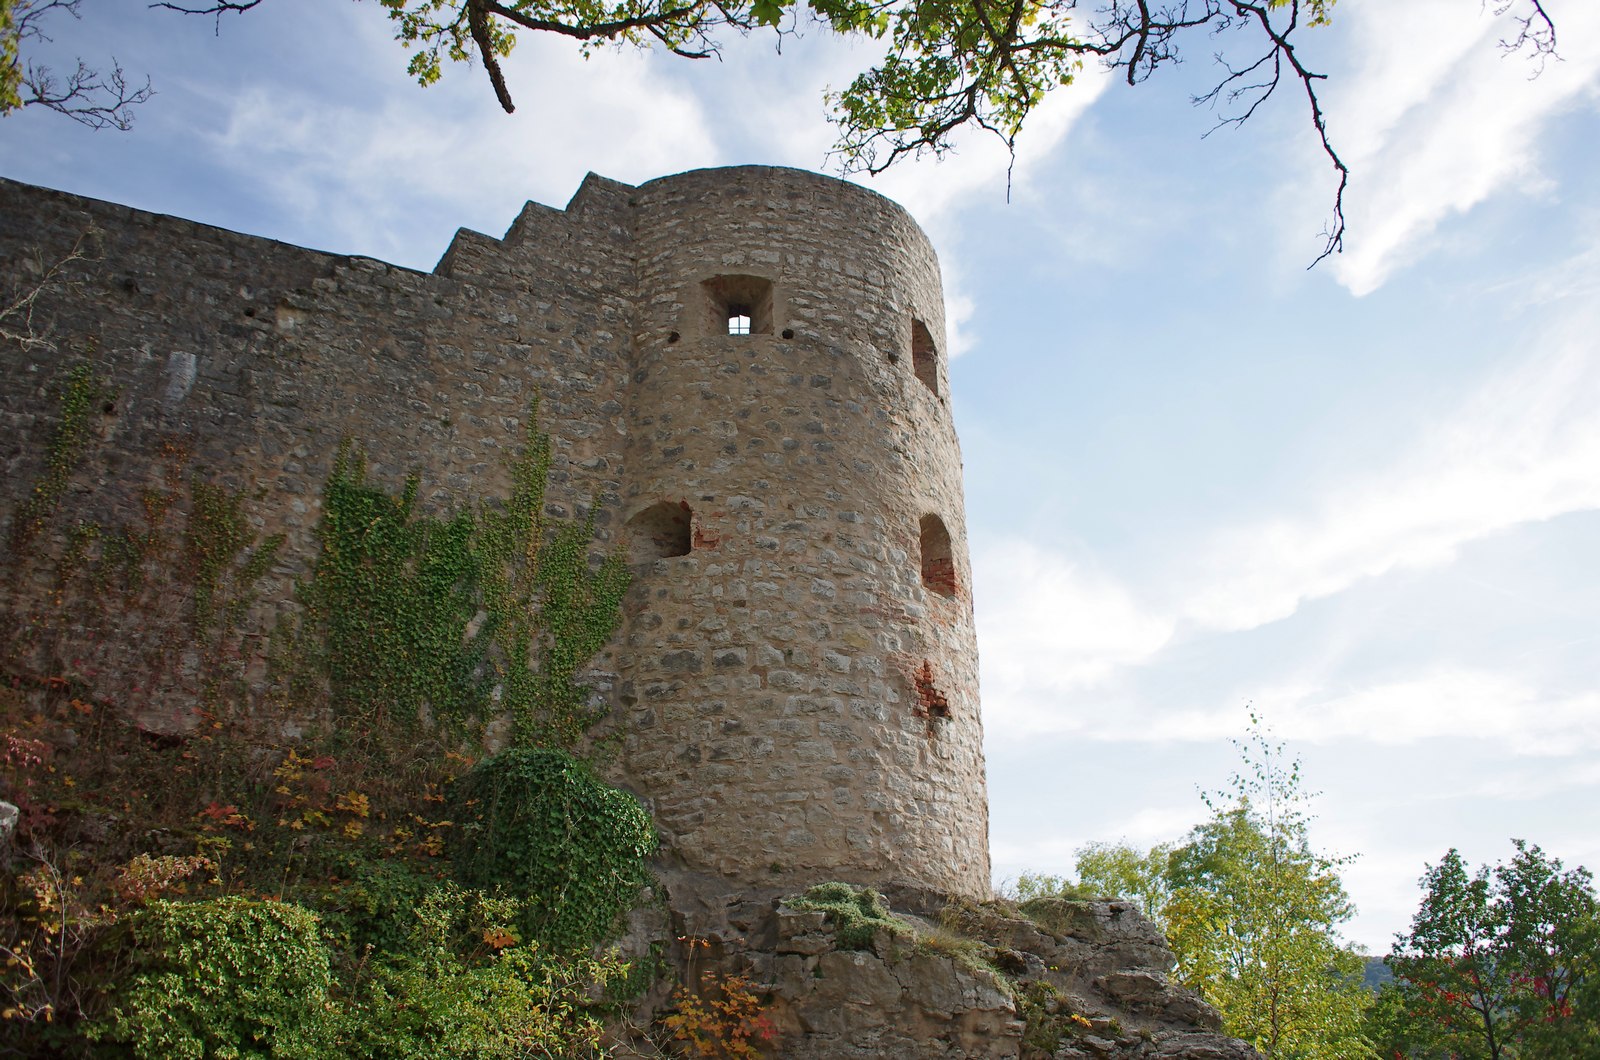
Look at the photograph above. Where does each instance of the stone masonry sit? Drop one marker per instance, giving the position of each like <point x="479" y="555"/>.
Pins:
<point x="744" y="373"/>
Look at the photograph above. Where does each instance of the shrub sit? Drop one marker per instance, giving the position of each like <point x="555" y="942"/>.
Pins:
<point x="724" y="1018"/>
<point x="464" y="986"/>
<point x="857" y="914"/>
<point x="540" y="823"/>
<point x="227" y="977"/>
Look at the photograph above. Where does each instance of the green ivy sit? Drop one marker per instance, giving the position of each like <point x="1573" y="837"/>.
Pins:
<point x="540" y="823"/>
<point x="80" y="392"/>
<point x="549" y="609"/>
<point x="484" y="610"/>
<point x="389" y="602"/>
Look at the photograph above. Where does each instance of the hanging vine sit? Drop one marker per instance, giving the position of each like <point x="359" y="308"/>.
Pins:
<point x="451" y="618"/>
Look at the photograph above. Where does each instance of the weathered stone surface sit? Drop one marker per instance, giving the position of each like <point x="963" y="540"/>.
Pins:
<point x="1152" y="992"/>
<point x="953" y="984"/>
<point x="771" y="487"/>
<point x="794" y="689"/>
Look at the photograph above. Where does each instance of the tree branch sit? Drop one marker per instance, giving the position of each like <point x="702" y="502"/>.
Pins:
<point x="17" y="308"/>
<point x="1536" y="32"/>
<point x="100" y="101"/>
<point x="478" y="20"/>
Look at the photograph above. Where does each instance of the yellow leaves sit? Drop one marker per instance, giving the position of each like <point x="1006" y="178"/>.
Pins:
<point x="291" y="769"/>
<point x="147" y="877"/>
<point x="725" y="1019"/>
<point x="217" y="815"/>
<point x="354" y="803"/>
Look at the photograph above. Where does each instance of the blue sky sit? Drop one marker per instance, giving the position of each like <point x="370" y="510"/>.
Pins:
<point x="1364" y="498"/>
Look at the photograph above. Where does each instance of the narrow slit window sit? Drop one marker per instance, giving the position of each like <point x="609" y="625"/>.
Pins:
<point x="938" y="558"/>
<point x="924" y="356"/>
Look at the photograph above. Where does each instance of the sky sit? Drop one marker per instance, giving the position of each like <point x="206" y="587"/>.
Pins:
<point x="1361" y="500"/>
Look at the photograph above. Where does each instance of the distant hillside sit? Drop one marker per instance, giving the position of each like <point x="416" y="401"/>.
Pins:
<point x="1375" y="974"/>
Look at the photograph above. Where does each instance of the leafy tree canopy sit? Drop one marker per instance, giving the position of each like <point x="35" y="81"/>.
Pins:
<point x="1500" y="963"/>
<point x="947" y="64"/>
<point x="1251" y="909"/>
<point x="1253" y="914"/>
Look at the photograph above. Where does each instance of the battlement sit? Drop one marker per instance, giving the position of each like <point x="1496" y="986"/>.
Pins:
<point x="743" y="370"/>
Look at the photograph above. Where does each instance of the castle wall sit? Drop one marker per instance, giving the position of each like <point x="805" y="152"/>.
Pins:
<point x="782" y="651"/>
<point x="797" y="690"/>
<point x="244" y="362"/>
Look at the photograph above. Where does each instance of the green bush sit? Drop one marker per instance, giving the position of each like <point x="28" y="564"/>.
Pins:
<point x="226" y="978"/>
<point x="370" y="908"/>
<point x="462" y="986"/>
<point x="541" y="824"/>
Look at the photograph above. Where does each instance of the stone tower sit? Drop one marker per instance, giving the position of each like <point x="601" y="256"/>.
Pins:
<point x="798" y="665"/>
<point x="745" y="367"/>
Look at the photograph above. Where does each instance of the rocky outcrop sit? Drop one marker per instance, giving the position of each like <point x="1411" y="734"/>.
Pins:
<point x="949" y="979"/>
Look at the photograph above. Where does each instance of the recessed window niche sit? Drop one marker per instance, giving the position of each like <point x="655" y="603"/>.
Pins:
<point x="924" y="356"/>
<point x="661" y="531"/>
<point x="938" y="560"/>
<point x="738" y="305"/>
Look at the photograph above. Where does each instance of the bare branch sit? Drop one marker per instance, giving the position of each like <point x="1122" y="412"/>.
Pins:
<point x="1536" y="32"/>
<point x="17" y="307"/>
<point x="691" y="15"/>
<point x="98" y="100"/>
<point x="217" y="8"/>
<point x="1334" y="232"/>
<point x="1240" y="97"/>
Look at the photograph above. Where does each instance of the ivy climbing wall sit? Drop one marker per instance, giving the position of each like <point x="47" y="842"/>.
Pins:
<point x="742" y="376"/>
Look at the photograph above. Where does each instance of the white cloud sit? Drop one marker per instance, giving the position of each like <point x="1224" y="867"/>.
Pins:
<point x="1049" y="626"/>
<point x="1461" y="704"/>
<point x="1056" y="853"/>
<point x="1438" y="120"/>
<point x="1149" y="825"/>
<point x="978" y="164"/>
<point x="1575" y="279"/>
<point x="1524" y="449"/>
<point x="934" y="190"/>
<point x="448" y="150"/>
